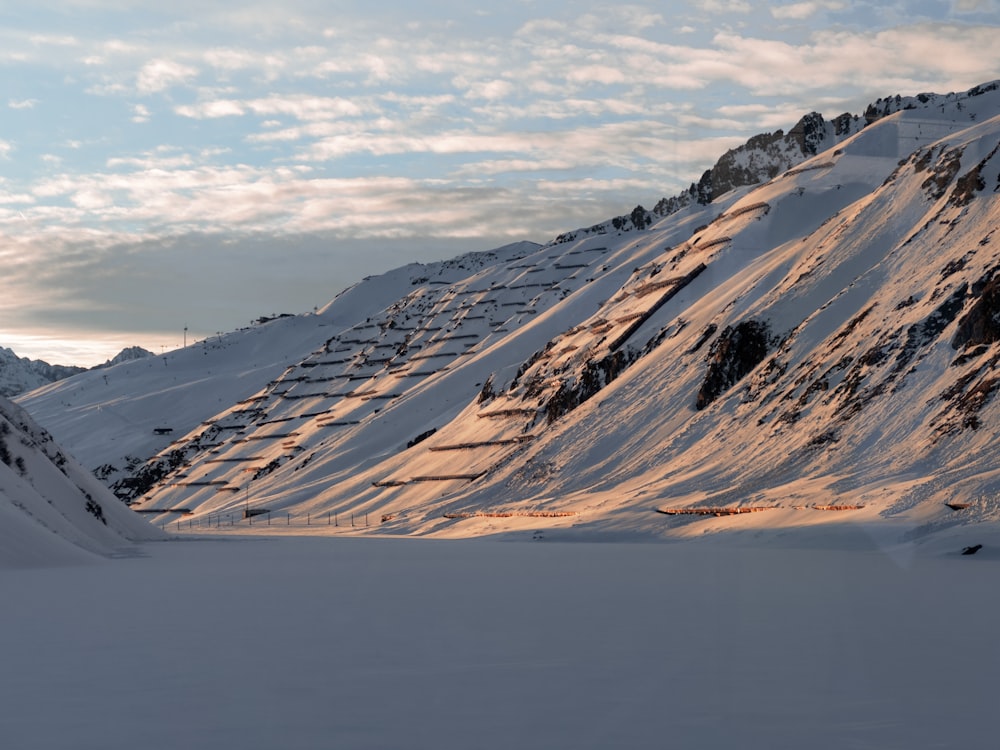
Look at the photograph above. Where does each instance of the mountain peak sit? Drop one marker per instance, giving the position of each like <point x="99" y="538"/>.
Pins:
<point x="128" y="354"/>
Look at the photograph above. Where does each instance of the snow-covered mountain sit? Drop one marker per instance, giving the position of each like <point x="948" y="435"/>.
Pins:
<point x="20" y="374"/>
<point x="128" y="354"/>
<point x="811" y="328"/>
<point x="52" y="510"/>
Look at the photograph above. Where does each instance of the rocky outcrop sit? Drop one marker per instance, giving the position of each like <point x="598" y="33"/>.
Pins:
<point x="737" y="351"/>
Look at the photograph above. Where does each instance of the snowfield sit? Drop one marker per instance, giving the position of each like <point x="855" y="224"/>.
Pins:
<point x="786" y="640"/>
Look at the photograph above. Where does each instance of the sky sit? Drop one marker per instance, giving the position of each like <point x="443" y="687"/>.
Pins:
<point x="196" y="165"/>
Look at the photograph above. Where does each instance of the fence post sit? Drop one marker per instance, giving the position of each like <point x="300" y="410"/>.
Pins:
<point x="288" y="519"/>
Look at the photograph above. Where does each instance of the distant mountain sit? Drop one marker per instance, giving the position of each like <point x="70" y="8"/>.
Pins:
<point x="128" y="354"/>
<point x="811" y="331"/>
<point x="53" y="511"/>
<point x="20" y="374"/>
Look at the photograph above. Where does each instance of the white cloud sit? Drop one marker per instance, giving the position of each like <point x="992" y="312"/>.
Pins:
<point x="803" y="10"/>
<point x="140" y="113"/>
<point x="300" y="106"/>
<point x="161" y="74"/>
<point x="723" y="6"/>
<point x="53" y="40"/>
<point x="490" y="90"/>
<point x="6" y="147"/>
<point x="230" y="59"/>
<point x="22" y="103"/>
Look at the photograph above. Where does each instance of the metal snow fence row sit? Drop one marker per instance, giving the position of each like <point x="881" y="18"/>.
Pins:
<point x="261" y="517"/>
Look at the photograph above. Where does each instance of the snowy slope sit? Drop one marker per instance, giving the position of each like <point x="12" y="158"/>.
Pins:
<point x="824" y="339"/>
<point x="52" y="511"/>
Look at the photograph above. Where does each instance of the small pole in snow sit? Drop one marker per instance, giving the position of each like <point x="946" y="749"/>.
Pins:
<point x="288" y="520"/>
<point x="352" y="519"/>
<point x="308" y="519"/>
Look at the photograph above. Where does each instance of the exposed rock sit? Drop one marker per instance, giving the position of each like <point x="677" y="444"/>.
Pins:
<point x="732" y="356"/>
<point x="981" y="324"/>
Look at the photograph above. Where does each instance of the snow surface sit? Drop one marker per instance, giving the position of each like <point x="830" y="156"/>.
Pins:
<point x="786" y="641"/>
<point x="52" y="510"/>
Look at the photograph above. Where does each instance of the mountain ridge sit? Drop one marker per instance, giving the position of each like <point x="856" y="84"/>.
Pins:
<point x="717" y="356"/>
<point x="21" y="374"/>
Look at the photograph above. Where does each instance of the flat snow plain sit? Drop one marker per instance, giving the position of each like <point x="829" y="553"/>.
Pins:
<point x="793" y="641"/>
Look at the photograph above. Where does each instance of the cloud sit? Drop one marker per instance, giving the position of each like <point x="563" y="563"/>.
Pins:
<point x="803" y="10"/>
<point x="298" y="120"/>
<point x="300" y="106"/>
<point x="974" y="6"/>
<point x="161" y="74"/>
<point x="723" y="6"/>
<point x="491" y="90"/>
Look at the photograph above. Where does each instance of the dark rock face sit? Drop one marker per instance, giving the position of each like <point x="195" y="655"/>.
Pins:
<point x="596" y="375"/>
<point x="809" y="133"/>
<point x="736" y="352"/>
<point x="981" y="324"/>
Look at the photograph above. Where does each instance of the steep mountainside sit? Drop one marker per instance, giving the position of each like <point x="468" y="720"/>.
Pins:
<point x="53" y="511"/>
<point x="822" y="338"/>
